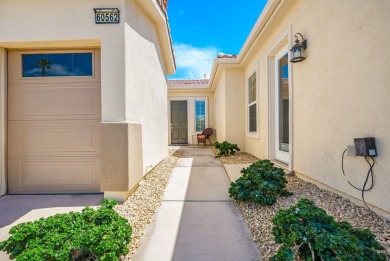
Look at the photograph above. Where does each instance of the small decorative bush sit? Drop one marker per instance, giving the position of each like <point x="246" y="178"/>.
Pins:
<point x="226" y="148"/>
<point x="307" y="231"/>
<point x="260" y="183"/>
<point x="90" y="235"/>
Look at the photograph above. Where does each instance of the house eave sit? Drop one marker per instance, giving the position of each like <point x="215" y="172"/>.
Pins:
<point x="259" y="26"/>
<point x="218" y="65"/>
<point x="153" y="9"/>
<point x="221" y="63"/>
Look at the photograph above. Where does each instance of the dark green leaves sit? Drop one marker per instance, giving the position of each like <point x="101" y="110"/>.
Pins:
<point x="316" y="233"/>
<point x="260" y="183"/>
<point x="225" y="149"/>
<point x="90" y="235"/>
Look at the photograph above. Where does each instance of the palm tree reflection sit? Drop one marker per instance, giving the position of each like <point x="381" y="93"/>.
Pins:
<point x="45" y="64"/>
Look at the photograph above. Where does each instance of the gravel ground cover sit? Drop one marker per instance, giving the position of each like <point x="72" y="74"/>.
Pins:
<point x="259" y="218"/>
<point x="142" y="204"/>
<point x="238" y="158"/>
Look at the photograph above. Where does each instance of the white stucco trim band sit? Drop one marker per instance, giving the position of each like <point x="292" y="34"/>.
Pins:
<point x="53" y="44"/>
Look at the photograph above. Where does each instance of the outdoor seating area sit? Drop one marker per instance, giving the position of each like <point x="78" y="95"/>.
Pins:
<point x="205" y="136"/>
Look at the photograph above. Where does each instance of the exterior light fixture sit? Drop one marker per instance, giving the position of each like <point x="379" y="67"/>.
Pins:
<point x="298" y="50"/>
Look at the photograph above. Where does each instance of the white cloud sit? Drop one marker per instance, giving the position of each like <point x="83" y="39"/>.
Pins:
<point x="33" y="71"/>
<point x="55" y="69"/>
<point x="192" y="62"/>
<point x="58" y="69"/>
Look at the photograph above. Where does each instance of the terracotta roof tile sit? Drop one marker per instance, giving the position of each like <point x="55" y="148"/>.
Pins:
<point x="225" y="55"/>
<point x="188" y="82"/>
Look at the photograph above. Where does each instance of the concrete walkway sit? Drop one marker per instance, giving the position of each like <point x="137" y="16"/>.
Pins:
<point x="197" y="220"/>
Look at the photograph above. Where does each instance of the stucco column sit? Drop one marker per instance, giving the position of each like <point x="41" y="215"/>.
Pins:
<point x="113" y="83"/>
<point x="235" y="107"/>
<point x="122" y="163"/>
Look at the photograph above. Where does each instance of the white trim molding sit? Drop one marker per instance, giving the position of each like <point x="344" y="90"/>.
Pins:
<point x="205" y="99"/>
<point x="249" y="134"/>
<point x="170" y="99"/>
<point x="190" y="114"/>
<point x="3" y="120"/>
<point x="282" y="42"/>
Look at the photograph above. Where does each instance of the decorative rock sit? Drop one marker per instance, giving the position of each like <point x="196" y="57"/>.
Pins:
<point x="259" y="218"/>
<point x="142" y="204"/>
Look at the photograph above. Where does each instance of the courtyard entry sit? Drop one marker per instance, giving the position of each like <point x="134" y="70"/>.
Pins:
<point x="54" y="115"/>
<point x="179" y="122"/>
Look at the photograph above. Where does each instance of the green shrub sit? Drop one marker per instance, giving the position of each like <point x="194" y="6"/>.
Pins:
<point x="90" y="235"/>
<point x="317" y="234"/>
<point x="226" y="148"/>
<point x="261" y="183"/>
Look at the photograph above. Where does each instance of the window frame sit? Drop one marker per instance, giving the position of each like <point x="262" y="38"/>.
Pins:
<point x="205" y="113"/>
<point x="284" y="40"/>
<point x="252" y="134"/>
<point x="51" y="78"/>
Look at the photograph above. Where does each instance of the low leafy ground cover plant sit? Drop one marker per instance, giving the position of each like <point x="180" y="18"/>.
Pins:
<point x="90" y="235"/>
<point x="308" y="231"/>
<point x="226" y="148"/>
<point x="260" y="183"/>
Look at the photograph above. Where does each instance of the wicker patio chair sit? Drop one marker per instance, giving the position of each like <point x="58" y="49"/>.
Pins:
<point x="202" y="138"/>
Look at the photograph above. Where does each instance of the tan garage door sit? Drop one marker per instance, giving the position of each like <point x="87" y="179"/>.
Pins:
<point x="54" y="121"/>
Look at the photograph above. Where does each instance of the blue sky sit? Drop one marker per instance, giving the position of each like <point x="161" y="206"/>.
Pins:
<point x="201" y="29"/>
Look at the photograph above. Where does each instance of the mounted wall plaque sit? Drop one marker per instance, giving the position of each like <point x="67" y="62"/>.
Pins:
<point x="106" y="15"/>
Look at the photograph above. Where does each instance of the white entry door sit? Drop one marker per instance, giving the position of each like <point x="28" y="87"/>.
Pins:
<point x="282" y="107"/>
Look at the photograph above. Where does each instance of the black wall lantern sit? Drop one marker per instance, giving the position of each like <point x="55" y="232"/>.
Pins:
<point x="298" y="50"/>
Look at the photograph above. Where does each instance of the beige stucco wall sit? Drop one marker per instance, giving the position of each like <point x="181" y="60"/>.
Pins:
<point x="133" y="86"/>
<point x="146" y="88"/>
<point x="235" y="107"/>
<point x="340" y="92"/>
<point x="230" y="106"/>
<point x="190" y="96"/>
<point x="220" y="108"/>
<point x="121" y="147"/>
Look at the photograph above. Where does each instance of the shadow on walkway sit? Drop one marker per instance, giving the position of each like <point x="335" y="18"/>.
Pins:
<point x="13" y="207"/>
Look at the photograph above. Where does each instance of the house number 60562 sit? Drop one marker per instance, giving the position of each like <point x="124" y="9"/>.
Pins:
<point x="106" y="15"/>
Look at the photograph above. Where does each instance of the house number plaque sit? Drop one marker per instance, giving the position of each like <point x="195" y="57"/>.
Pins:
<point x="106" y="15"/>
